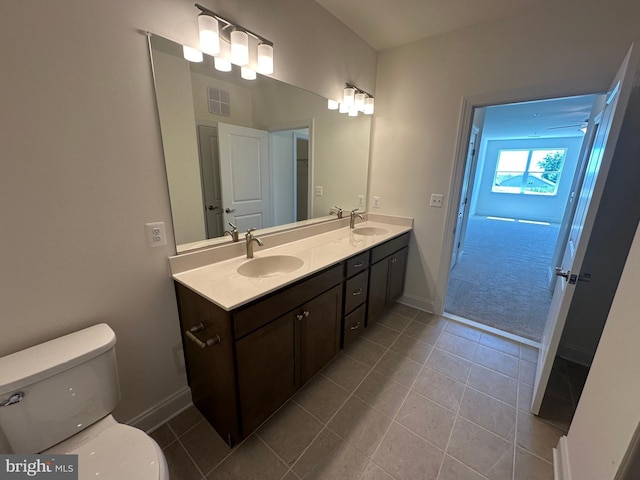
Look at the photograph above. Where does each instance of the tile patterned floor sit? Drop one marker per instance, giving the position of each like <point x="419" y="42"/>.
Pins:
<point x="417" y="397"/>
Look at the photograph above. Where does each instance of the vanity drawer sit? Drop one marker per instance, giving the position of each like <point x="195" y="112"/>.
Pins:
<point x="392" y="246"/>
<point x="355" y="291"/>
<point x="353" y="325"/>
<point x="357" y="264"/>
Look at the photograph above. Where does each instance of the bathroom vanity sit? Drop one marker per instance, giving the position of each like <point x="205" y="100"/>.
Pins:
<point x="251" y="342"/>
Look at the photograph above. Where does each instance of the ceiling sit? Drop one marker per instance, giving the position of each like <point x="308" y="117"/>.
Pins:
<point x="384" y="24"/>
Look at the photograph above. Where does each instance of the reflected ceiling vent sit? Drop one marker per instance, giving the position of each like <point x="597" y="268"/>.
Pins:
<point x="219" y="101"/>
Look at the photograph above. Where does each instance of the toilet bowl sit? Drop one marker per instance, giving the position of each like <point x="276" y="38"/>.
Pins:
<point x="57" y="398"/>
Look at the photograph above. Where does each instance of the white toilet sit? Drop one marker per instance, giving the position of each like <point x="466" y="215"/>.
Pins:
<point x="57" y="397"/>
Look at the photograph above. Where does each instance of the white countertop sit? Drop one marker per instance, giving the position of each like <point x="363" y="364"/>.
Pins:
<point x="223" y="285"/>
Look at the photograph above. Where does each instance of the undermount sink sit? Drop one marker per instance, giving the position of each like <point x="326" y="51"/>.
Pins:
<point x="370" y="231"/>
<point x="264" y="267"/>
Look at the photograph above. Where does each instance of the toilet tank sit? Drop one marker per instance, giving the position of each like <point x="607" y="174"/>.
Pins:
<point x="66" y="385"/>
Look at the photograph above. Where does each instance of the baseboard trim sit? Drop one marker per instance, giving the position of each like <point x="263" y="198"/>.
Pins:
<point x="165" y="410"/>
<point x="417" y="302"/>
<point x="561" y="470"/>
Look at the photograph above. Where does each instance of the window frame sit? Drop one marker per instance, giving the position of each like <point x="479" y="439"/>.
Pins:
<point x="522" y="189"/>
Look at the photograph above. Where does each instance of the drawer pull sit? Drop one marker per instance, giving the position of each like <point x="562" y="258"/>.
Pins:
<point x="304" y="314"/>
<point x="210" y="342"/>
<point x="359" y="264"/>
<point x="356" y="326"/>
<point x="357" y="292"/>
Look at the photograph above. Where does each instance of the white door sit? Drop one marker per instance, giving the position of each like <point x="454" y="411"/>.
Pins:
<point x="586" y="208"/>
<point x="244" y="173"/>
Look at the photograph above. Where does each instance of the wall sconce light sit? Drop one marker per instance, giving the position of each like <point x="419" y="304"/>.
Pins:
<point x="230" y="43"/>
<point x="354" y="100"/>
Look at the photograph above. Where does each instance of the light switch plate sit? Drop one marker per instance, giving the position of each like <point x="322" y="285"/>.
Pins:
<point x="319" y="191"/>
<point x="376" y="202"/>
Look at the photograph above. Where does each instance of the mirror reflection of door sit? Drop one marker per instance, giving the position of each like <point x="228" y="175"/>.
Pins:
<point x="303" y="190"/>
<point x="210" y="175"/>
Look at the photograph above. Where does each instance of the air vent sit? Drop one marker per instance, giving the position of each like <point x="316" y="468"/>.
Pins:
<point x="219" y="101"/>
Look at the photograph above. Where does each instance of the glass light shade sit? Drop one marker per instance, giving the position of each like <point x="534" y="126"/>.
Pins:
<point x="332" y="104"/>
<point x="247" y="73"/>
<point x="343" y="108"/>
<point x="368" y="105"/>
<point x="239" y="47"/>
<point x="353" y="111"/>
<point x="209" y="38"/>
<point x="192" y="54"/>
<point x="348" y="96"/>
<point x="265" y="58"/>
<point x="359" y="101"/>
<point x="221" y="61"/>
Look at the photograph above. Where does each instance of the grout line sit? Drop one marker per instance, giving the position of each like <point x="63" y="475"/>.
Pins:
<point x="178" y="439"/>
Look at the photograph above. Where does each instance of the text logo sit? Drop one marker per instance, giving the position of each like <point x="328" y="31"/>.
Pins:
<point x="50" y="467"/>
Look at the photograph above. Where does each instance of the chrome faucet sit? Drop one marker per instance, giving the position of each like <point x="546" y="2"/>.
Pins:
<point x="233" y="233"/>
<point x="337" y="211"/>
<point x="250" y="239"/>
<point x="352" y="220"/>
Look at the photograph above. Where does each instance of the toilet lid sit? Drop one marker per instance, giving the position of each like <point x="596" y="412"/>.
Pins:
<point x="119" y="452"/>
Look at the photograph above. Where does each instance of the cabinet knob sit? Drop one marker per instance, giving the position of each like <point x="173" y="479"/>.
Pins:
<point x="357" y="292"/>
<point x="304" y="314"/>
<point x="356" y="326"/>
<point x="299" y="316"/>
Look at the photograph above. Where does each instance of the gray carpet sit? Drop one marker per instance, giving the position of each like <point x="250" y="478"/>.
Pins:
<point x="501" y="279"/>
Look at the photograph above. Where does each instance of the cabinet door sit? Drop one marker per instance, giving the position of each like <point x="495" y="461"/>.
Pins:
<point x="397" y="271"/>
<point x="377" y="289"/>
<point x="266" y="370"/>
<point x="319" y="328"/>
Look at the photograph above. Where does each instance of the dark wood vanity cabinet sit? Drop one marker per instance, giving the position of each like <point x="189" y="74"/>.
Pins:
<point x="387" y="273"/>
<point x="356" y="290"/>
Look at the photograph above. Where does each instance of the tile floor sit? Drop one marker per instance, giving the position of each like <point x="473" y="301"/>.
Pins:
<point x="417" y="397"/>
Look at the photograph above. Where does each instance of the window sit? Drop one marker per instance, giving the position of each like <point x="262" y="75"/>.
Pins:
<point x="530" y="172"/>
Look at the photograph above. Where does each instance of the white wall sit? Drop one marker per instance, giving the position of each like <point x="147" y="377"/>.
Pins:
<point x="557" y="48"/>
<point x="83" y="170"/>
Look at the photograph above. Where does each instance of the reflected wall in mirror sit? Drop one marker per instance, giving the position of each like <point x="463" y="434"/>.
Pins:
<point x="259" y="154"/>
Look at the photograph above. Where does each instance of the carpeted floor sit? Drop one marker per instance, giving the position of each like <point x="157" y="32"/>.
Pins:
<point x="501" y="279"/>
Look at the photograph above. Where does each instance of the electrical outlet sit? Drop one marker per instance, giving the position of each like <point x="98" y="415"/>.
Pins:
<point x="156" y="236"/>
<point x="376" y="202"/>
<point x="361" y="200"/>
<point x="319" y="191"/>
<point x="436" y="200"/>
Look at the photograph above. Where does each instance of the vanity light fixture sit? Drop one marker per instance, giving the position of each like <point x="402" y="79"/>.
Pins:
<point x="192" y="54"/>
<point x="354" y="100"/>
<point x="230" y="43"/>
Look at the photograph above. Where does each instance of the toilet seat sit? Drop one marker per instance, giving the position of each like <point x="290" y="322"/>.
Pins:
<point x="112" y="451"/>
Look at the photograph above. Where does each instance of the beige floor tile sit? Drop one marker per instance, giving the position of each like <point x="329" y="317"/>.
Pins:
<point x="346" y="372"/>
<point x="493" y="383"/>
<point x="289" y="432"/>
<point x="185" y="420"/>
<point x="525" y="397"/>
<point x="528" y="353"/>
<point x="393" y="321"/>
<point x="423" y="332"/>
<point x="365" y="352"/>
<point x="360" y="425"/>
<point x="382" y="393"/>
<point x="492" y="414"/>
<point x="499" y="361"/>
<point x="481" y="450"/>
<point x="181" y="467"/>
<point x="163" y="435"/>
<point x="321" y="397"/>
<point x="434" y="321"/>
<point x="528" y="372"/>
<point x="404" y="310"/>
<point x="450" y="365"/>
<point x="426" y="418"/>
<point x="329" y="457"/>
<point x="252" y="459"/>
<point x="406" y="456"/>
<point x="440" y="388"/>
<point x="412" y="347"/>
<point x="205" y="446"/>
<point x="383" y="336"/>
<point x="529" y="467"/>
<point x="537" y="436"/>
<point x="452" y="469"/>
<point x="374" y="472"/>
<point x="459" y="346"/>
<point x="500" y="343"/>
<point x="464" y="331"/>
<point x="398" y="368"/>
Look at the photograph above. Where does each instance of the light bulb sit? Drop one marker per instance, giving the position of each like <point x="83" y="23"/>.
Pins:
<point x="265" y="58"/>
<point x="239" y="47"/>
<point x="332" y="104"/>
<point x="348" y="96"/>
<point x="368" y="105"/>
<point x="209" y="38"/>
<point x="247" y="73"/>
<point x="192" y="54"/>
